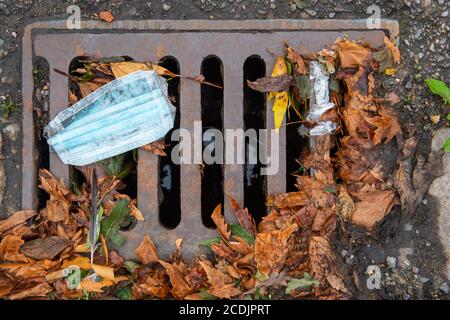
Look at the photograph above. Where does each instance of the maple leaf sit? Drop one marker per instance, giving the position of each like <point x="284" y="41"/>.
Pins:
<point x="271" y="249"/>
<point x="352" y="54"/>
<point x="180" y="288"/>
<point x="216" y="278"/>
<point x="372" y="207"/>
<point x="146" y="251"/>
<point x="387" y="125"/>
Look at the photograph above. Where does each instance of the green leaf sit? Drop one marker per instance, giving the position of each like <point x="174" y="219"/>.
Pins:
<point x="439" y="88"/>
<point x="300" y="4"/>
<point x="304" y="86"/>
<point x="110" y="225"/>
<point x="304" y="283"/>
<point x="258" y="293"/>
<point x="334" y="85"/>
<point x="448" y="117"/>
<point x="289" y="66"/>
<point x="330" y="189"/>
<point x="131" y="265"/>
<point x="209" y="242"/>
<point x="124" y="293"/>
<point x="261" y="277"/>
<point x="237" y="230"/>
<point x="205" y="295"/>
<point x="447" y="145"/>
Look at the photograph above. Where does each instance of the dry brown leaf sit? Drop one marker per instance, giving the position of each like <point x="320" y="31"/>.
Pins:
<point x="29" y="270"/>
<point x="224" y="251"/>
<point x="393" y="48"/>
<point x="46" y="248"/>
<point x="345" y="205"/>
<point x="72" y="98"/>
<point x="297" y="61"/>
<point x="271" y="249"/>
<point x="180" y="288"/>
<point x="40" y="290"/>
<point x="219" y="220"/>
<point x="7" y="284"/>
<point x="106" y="16"/>
<point x="352" y="54"/>
<point x="320" y="256"/>
<point x="135" y="212"/>
<point x="156" y="147"/>
<point x="372" y="207"/>
<point x="147" y="252"/>
<point x="225" y="292"/>
<point x="120" y="69"/>
<point x="216" y="278"/>
<point x="243" y="217"/>
<point x="57" y="210"/>
<point x="16" y="219"/>
<point x="9" y="249"/>
<point x="387" y="125"/>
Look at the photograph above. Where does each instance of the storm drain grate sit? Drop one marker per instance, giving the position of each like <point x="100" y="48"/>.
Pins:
<point x="231" y="42"/>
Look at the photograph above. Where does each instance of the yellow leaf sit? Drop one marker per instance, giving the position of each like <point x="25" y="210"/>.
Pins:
<point x="120" y="69"/>
<point x="279" y="69"/>
<point x="82" y="262"/>
<point x="120" y="278"/>
<point x="93" y="286"/>
<point x="435" y="119"/>
<point x="279" y="109"/>
<point x="82" y="248"/>
<point x="104" y="248"/>
<point x="390" y="72"/>
<point x="104" y="271"/>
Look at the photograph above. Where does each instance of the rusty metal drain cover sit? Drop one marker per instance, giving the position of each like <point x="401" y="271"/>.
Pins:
<point x="189" y="42"/>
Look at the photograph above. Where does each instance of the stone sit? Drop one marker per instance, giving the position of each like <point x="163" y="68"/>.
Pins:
<point x="440" y="189"/>
<point x="444" y="288"/>
<point x="391" y="262"/>
<point x="403" y="257"/>
<point x="12" y="130"/>
<point x="166" y="6"/>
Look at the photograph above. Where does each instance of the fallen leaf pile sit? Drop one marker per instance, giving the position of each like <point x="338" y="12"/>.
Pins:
<point x="290" y="252"/>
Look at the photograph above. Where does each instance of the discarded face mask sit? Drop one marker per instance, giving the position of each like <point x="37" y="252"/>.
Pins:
<point x="124" y="114"/>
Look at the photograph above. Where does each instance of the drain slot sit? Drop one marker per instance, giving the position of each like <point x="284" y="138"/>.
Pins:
<point x="169" y="173"/>
<point x="212" y="118"/>
<point x="41" y="117"/>
<point x="255" y="184"/>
